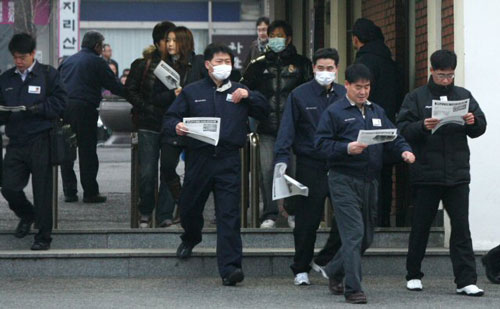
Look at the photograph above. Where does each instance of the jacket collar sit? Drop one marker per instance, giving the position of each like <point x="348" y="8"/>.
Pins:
<point x="346" y="103"/>
<point x="321" y="90"/>
<point x="225" y="85"/>
<point x="33" y="69"/>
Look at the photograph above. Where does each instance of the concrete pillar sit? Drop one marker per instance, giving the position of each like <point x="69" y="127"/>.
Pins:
<point x="338" y="34"/>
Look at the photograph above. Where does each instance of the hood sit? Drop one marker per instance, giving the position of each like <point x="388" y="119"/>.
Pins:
<point x="377" y="47"/>
<point x="149" y="51"/>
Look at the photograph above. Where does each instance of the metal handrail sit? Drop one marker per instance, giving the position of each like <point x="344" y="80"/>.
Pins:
<point x="55" y="200"/>
<point x="134" y="173"/>
<point x="244" y="201"/>
<point x="254" y="177"/>
<point x="250" y="160"/>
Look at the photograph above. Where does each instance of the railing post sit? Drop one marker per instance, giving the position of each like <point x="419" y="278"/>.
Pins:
<point x="254" y="176"/>
<point x="55" y="201"/>
<point x="244" y="155"/>
<point x="328" y="212"/>
<point x="134" y="215"/>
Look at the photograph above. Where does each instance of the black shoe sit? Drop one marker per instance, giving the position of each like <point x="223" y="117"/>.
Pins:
<point x="70" y="198"/>
<point x="184" y="250"/>
<point x="233" y="278"/>
<point x="95" y="199"/>
<point x="40" y="245"/>
<point x="491" y="273"/>
<point x="23" y="228"/>
<point x="356" y="298"/>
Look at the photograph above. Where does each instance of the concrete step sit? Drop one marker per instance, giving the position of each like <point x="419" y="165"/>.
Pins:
<point x="169" y="238"/>
<point x="257" y="262"/>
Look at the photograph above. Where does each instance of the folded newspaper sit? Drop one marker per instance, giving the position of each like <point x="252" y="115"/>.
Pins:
<point x="372" y="137"/>
<point x="286" y="186"/>
<point x="167" y="75"/>
<point x="449" y="112"/>
<point x="20" y="108"/>
<point x="205" y="129"/>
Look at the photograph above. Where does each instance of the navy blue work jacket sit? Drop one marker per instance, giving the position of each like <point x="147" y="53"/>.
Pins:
<point x="303" y="109"/>
<point x="42" y="86"/>
<point x="85" y="74"/>
<point x="340" y="125"/>
<point x="203" y="99"/>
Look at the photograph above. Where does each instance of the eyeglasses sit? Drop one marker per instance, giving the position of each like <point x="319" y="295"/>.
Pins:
<point x="442" y="76"/>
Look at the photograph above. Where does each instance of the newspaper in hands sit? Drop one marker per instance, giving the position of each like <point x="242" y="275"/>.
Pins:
<point x="167" y="75"/>
<point x="205" y="129"/>
<point x="285" y="186"/>
<point x="372" y="137"/>
<point x="449" y="112"/>
<point x="14" y="109"/>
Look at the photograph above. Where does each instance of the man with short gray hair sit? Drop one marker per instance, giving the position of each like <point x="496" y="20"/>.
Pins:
<point x="84" y="75"/>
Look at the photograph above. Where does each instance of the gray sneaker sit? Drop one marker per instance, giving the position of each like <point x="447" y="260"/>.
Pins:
<point x="166" y="223"/>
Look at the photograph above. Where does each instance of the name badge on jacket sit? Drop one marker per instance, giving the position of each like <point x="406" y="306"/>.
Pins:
<point x="34" y="89"/>
<point x="377" y="122"/>
<point x="229" y="97"/>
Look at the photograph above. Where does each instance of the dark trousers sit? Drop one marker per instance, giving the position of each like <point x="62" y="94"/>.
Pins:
<point x="83" y="120"/>
<point x="308" y="213"/>
<point x="149" y="153"/>
<point x="456" y="203"/>
<point x="331" y="247"/>
<point x="19" y="163"/>
<point x="220" y="174"/>
<point x="168" y="162"/>
<point x="355" y="204"/>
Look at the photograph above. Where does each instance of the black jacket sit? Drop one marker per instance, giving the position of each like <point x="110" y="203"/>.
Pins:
<point x="386" y="87"/>
<point x="85" y="74"/>
<point x="149" y="97"/>
<point x="442" y="158"/>
<point x="42" y="87"/>
<point x="275" y="76"/>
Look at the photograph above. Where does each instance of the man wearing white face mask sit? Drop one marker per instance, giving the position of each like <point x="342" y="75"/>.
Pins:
<point x="275" y="74"/>
<point x="215" y="168"/>
<point x="303" y="110"/>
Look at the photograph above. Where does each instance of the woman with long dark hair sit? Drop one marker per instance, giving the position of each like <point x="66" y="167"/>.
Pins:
<point x="190" y="67"/>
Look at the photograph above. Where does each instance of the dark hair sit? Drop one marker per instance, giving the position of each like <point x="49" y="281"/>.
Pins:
<point x="443" y="59"/>
<point x="215" y="48"/>
<point x="22" y="43"/>
<point x="356" y="72"/>
<point x="91" y="39"/>
<point x="161" y="30"/>
<point x="326" y="53"/>
<point x="366" y="30"/>
<point x="261" y="20"/>
<point x="184" y="43"/>
<point x="105" y="45"/>
<point x="280" y="24"/>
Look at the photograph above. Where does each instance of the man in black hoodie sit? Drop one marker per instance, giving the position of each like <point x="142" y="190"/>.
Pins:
<point x="368" y="40"/>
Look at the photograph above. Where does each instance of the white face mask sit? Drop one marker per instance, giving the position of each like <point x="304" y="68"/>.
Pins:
<point x="222" y="71"/>
<point x="324" y="78"/>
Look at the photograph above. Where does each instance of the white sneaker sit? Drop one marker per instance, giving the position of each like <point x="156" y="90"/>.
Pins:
<point x="471" y="290"/>
<point x="414" y="285"/>
<point x="319" y="269"/>
<point x="301" y="279"/>
<point x="268" y="224"/>
<point x="291" y="221"/>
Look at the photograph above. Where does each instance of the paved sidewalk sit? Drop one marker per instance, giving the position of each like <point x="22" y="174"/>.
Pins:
<point x="382" y="292"/>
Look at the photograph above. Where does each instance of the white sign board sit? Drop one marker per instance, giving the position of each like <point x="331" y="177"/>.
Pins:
<point x="69" y="27"/>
